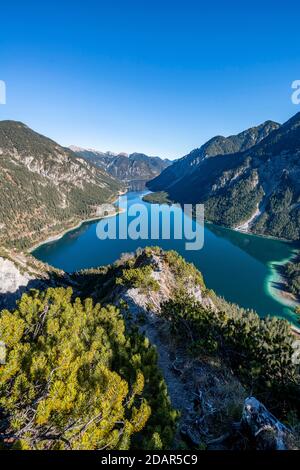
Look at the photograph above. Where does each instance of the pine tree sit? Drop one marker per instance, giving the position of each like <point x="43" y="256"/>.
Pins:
<point x="74" y="377"/>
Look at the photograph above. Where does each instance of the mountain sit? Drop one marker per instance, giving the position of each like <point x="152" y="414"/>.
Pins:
<point x="257" y="189"/>
<point x="219" y="145"/>
<point x="45" y="188"/>
<point x="134" y="169"/>
<point x="147" y="332"/>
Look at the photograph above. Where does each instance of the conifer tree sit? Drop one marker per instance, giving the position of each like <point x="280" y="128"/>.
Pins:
<point x="75" y="379"/>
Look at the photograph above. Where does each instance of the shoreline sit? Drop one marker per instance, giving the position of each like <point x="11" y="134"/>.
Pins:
<point x="269" y="237"/>
<point x="275" y="284"/>
<point x="281" y="295"/>
<point x="277" y="287"/>
<point x="60" y="235"/>
<point x="276" y="275"/>
<point x="238" y="229"/>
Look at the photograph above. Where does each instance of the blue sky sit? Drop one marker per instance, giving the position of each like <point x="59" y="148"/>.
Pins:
<point x="159" y="77"/>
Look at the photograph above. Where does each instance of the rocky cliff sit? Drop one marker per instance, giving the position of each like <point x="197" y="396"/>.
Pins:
<point x="21" y="272"/>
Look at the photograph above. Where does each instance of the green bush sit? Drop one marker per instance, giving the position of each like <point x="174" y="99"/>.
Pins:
<point x="140" y="278"/>
<point x="259" y="350"/>
<point x="74" y="378"/>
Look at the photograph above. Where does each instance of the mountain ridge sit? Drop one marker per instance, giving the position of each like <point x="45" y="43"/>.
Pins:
<point x="259" y="182"/>
<point x="209" y="354"/>
<point x="217" y="145"/>
<point x="45" y="188"/>
<point x="133" y="169"/>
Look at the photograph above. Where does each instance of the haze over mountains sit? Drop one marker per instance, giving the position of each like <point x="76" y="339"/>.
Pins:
<point x="134" y="170"/>
<point x="249" y="180"/>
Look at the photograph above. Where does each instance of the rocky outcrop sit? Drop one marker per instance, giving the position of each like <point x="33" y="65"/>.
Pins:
<point x="264" y="430"/>
<point x="163" y="274"/>
<point x="19" y="273"/>
<point x="200" y="389"/>
<point x="12" y="282"/>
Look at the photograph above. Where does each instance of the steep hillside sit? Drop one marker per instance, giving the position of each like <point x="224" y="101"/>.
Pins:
<point x="183" y="168"/>
<point x="213" y="354"/>
<point x="257" y="189"/>
<point x="45" y="188"/>
<point x="134" y="170"/>
<point x="209" y="356"/>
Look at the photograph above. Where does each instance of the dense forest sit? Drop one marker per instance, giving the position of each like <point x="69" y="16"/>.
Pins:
<point x="292" y="272"/>
<point x="45" y="188"/>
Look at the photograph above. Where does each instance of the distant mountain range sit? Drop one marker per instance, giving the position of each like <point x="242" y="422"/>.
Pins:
<point x="133" y="170"/>
<point x="105" y="321"/>
<point x="45" y="188"/>
<point x="249" y="181"/>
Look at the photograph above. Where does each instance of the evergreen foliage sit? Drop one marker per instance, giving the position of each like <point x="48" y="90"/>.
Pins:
<point x="259" y="350"/>
<point x="74" y="378"/>
<point x="292" y="273"/>
<point x="139" y="277"/>
<point x="45" y="188"/>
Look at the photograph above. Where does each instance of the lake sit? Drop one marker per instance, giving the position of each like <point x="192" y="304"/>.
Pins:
<point x="237" y="266"/>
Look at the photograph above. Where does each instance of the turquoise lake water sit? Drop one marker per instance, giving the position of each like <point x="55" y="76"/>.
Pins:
<point x="237" y="266"/>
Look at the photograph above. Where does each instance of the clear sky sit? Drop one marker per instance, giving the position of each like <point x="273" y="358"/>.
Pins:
<point x="153" y="76"/>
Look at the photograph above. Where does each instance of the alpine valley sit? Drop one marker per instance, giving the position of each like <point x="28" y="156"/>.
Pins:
<point x="45" y="188"/>
<point x="135" y="170"/>
<point x="141" y="353"/>
<point x="249" y="181"/>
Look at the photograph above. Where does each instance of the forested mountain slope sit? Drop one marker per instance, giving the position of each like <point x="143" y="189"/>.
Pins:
<point x="45" y="188"/>
<point x="259" y="185"/>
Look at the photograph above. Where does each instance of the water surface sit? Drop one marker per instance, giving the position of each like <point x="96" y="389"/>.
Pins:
<point x="237" y="266"/>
